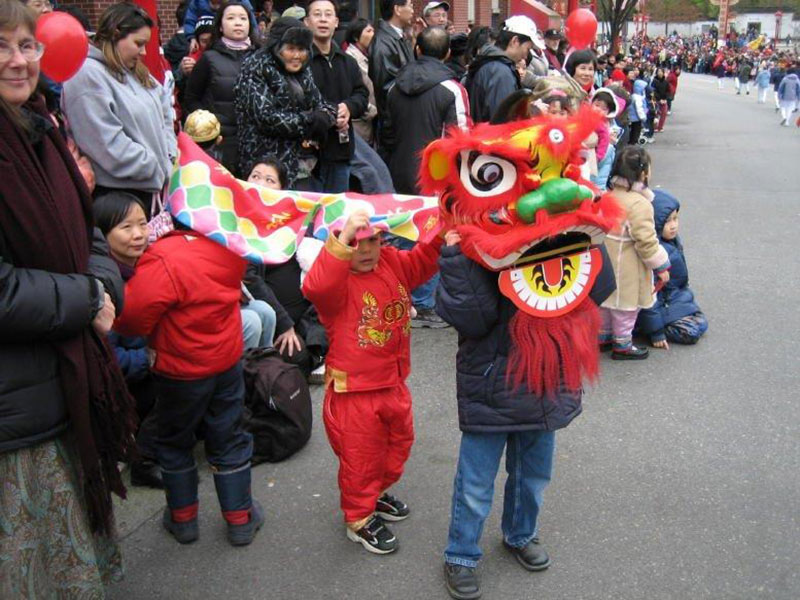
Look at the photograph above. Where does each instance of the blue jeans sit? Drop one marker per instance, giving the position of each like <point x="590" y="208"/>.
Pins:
<point x="529" y="464"/>
<point x="213" y="404"/>
<point x="334" y="177"/>
<point x="258" y="324"/>
<point x="425" y="295"/>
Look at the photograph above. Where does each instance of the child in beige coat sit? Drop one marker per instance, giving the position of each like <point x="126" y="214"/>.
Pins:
<point x="635" y="255"/>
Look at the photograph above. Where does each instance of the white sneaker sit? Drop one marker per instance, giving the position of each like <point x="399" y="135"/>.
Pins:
<point x="317" y="376"/>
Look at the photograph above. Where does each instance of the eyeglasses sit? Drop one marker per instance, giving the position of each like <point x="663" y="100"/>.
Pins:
<point x="31" y="51"/>
<point x="40" y="4"/>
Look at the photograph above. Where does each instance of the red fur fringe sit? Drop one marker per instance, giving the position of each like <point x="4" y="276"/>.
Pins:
<point x="549" y="353"/>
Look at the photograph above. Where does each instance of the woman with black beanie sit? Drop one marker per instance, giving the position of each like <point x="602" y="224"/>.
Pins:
<point x="279" y="109"/>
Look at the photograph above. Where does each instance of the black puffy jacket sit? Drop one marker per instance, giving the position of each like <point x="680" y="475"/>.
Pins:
<point x="210" y="86"/>
<point x="424" y="99"/>
<point x="468" y="298"/>
<point x="37" y="308"/>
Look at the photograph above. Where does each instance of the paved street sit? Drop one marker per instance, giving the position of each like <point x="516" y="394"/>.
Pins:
<point x="681" y="479"/>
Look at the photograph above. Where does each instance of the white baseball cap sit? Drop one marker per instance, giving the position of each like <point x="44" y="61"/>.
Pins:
<point x="522" y="25"/>
<point x="431" y="5"/>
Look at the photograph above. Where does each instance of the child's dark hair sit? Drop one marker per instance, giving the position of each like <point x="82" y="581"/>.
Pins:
<point x="630" y="164"/>
<point x="111" y="209"/>
<point x="273" y="161"/>
<point x="605" y="98"/>
<point x="355" y="29"/>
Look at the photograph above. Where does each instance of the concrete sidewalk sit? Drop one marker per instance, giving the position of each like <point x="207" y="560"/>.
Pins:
<point x="680" y="480"/>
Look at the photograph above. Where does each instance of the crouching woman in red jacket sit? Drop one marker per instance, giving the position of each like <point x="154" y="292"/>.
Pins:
<point x="185" y="297"/>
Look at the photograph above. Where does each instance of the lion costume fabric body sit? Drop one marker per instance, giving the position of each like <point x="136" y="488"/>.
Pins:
<point x="514" y="194"/>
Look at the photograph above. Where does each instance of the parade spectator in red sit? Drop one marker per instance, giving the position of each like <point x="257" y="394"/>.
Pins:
<point x="555" y="59"/>
<point x="672" y="80"/>
<point x="184" y="296"/>
<point x="661" y="88"/>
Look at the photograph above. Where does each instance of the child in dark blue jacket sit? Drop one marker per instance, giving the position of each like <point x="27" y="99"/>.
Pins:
<point x="675" y="317"/>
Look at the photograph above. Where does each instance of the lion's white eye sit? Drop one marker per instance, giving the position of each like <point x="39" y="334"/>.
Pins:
<point x="556" y="136"/>
<point x="486" y="175"/>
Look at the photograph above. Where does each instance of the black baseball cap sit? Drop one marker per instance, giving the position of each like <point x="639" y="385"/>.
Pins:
<point x="553" y="34"/>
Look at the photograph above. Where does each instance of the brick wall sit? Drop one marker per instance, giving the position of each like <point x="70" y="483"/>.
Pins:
<point x="94" y="8"/>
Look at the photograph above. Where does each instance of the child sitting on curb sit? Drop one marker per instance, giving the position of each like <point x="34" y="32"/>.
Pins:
<point x="362" y="293"/>
<point x="675" y="317"/>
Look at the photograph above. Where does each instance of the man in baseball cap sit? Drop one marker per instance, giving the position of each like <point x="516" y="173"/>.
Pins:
<point x="552" y="38"/>
<point x="435" y="13"/>
<point x="493" y="75"/>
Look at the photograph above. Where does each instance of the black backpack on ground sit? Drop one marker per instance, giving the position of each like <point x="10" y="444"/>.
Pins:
<point x="277" y="405"/>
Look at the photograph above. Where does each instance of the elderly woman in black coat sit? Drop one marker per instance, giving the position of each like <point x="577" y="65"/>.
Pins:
<point x="279" y="109"/>
<point x="65" y="415"/>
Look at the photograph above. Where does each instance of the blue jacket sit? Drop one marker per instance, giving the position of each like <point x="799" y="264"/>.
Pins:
<point x="491" y="78"/>
<point x="763" y="78"/>
<point x="789" y="89"/>
<point x="638" y="101"/>
<point x="131" y="352"/>
<point x="468" y="298"/>
<point x="202" y="8"/>
<point x="676" y="299"/>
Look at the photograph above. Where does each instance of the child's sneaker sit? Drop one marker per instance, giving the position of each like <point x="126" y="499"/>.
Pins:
<point x="632" y="353"/>
<point x="390" y="508"/>
<point x="317" y="376"/>
<point x="374" y="536"/>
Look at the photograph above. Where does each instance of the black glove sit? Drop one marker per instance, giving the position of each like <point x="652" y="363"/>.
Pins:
<point x="319" y="124"/>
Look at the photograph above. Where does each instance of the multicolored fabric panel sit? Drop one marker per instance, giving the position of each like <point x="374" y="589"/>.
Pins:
<point x="266" y="226"/>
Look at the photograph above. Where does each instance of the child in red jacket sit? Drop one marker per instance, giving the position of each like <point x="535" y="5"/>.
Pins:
<point x="185" y="297"/>
<point x="362" y="293"/>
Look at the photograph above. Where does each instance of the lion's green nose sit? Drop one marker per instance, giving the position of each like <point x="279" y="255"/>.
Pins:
<point x="555" y="196"/>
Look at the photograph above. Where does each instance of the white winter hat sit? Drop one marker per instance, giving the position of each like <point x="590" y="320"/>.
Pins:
<point x="522" y="25"/>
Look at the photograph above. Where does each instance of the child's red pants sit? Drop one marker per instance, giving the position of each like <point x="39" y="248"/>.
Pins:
<point x="371" y="433"/>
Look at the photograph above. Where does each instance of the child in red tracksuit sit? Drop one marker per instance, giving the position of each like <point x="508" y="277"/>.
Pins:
<point x="362" y="293"/>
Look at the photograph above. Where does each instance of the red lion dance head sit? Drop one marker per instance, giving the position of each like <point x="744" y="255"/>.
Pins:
<point x="515" y="195"/>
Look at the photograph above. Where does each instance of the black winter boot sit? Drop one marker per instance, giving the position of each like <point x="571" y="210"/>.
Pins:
<point x="180" y="514"/>
<point x="243" y="515"/>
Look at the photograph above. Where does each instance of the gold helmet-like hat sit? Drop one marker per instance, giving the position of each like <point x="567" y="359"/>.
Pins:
<point x="202" y="126"/>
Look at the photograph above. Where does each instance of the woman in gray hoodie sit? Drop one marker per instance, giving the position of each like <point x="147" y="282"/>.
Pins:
<point x="119" y="115"/>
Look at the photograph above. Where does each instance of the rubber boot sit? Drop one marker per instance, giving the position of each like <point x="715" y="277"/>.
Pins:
<point x="180" y="514"/>
<point x="243" y="515"/>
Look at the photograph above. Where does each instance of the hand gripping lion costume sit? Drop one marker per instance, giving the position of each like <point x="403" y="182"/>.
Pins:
<point x="514" y="194"/>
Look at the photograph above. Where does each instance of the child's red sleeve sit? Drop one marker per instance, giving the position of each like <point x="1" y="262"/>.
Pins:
<point x="420" y="263"/>
<point x="325" y="283"/>
<point x="148" y="295"/>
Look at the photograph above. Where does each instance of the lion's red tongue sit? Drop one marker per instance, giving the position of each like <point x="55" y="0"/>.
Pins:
<point x="553" y="271"/>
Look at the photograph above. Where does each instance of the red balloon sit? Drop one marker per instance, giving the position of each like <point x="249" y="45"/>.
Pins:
<point x="581" y="28"/>
<point x="65" y="45"/>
